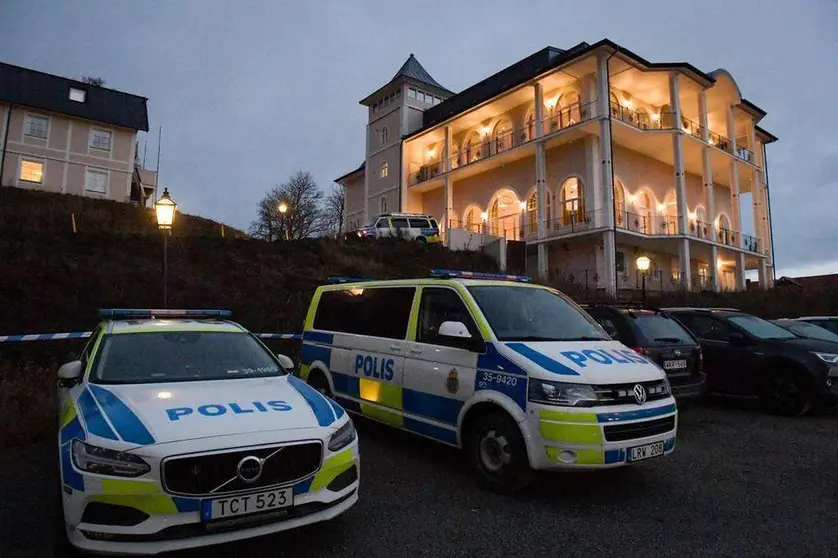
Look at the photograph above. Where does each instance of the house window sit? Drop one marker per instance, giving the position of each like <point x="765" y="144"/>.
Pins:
<point x="411" y="93"/>
<point x="620" y="261"/>
<point x="78" y="95"/>
<point x="385" y="170"/>
<point x="384" y="135"/>
<point x="572" y="201"/>
<point x="420" y="96"/>
<point x="382" y="204"/>
<point x="37" y="126"/>
<point x="32" y="171"/>
<point x="100" y="139"/>
<point x="96" y="181"/>
<point x="503" y="135"/>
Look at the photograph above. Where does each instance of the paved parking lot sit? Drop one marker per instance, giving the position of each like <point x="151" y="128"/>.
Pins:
<point x="739" y="484"/>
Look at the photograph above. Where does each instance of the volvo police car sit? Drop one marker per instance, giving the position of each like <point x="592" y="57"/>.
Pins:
<point x="179" y="428"/>
<point x="514" y="373"/>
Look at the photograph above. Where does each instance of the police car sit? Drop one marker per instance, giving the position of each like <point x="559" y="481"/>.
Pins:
<point x="416" y="227"/>
<point x="179" y="429"/>
<point x="516" y="374"/>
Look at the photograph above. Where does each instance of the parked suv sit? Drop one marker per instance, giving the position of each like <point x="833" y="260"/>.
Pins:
<point x="660" y="338"/>
<point x="409" y="226"/>
<point x="745" y="355"/>
<point x="826" y="322"/>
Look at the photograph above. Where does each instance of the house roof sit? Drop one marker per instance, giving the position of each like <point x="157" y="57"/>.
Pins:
<point x="35" y="89"/>
<point x="411" y="71"/>
<point x="350" y="173"/>
<point x="765" y="135"/>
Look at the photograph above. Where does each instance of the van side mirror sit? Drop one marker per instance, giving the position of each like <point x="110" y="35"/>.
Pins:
<point x="737" y="339"/>
<point x="285" y="361"/>
<point x="457" y="330"/>
<point x="456" y="334"/>
<point x="70" y="372"/>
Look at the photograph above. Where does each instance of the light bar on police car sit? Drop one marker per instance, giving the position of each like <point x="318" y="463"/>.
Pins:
<point x="148" y="313"/>
<point x="454" y="273"/>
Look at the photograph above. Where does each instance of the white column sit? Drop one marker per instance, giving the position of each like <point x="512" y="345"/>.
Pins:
<point x="607" y="177"/>
<point x="403" y="177"/>
<point x="680" y="184"/>
<point x="740" y="271"/>
<point x="540" y="184"/>
<point x="538" y="99"/>
<point x="714" y="269"/>
<point x="734" y="179"/>
<point x="709" y="191"/>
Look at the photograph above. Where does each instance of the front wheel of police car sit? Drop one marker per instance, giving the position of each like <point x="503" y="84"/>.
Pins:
<point x="217" y="444"/>
<point x="498" y="453"/>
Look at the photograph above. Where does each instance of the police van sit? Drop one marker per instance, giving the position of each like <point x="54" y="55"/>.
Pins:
<point x="417" y="227"/>
<point x="514" y="373"/>
<point x="179" y="429"/>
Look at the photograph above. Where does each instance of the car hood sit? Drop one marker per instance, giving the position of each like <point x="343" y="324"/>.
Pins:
<point x="587" y="362"/>
<point x="809" y="344"/>
<point x="143" y="414"/>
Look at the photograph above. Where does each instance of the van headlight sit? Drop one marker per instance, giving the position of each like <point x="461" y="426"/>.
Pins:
<point x="560" y="393"/>
<point x="343" y="437"/>
<point x="101" y="461"/>
<point x="667" y="387"/>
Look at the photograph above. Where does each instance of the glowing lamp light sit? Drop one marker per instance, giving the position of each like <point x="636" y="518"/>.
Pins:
<point x="661" y="207"/>
<point x="431" y="152"/>
<point x="485" y="130"/>
<point x="628" y="104"/>
<point x="484" y="216"/>
<point x="656" y="117"/>
<point x="643" y="263"/>
<point x="283" y="208"/>
<point x="165" y="208"/>
<point x="522" y="205"/>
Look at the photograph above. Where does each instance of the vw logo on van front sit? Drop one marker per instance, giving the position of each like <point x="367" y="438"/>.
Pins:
<point x="249" y="469"/>
<point x="639" y="394"/>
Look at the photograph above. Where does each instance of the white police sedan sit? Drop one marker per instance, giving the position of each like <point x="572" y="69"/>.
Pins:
<point x="178" y="429"/>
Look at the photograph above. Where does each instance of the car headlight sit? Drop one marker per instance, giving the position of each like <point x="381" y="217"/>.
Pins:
<point x="829" y="358"/>
<point x="103" y="461"/>
<point x="343" y="437"/>
<point x="667" y="387"/>
<point x="559" y="393"/>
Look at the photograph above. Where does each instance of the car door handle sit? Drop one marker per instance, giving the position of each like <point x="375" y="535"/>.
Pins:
<point x="416" y="351"/>
<point x="395" y="347"/>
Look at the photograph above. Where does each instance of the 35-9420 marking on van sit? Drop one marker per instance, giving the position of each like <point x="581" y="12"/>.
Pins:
<point x="493" y="378"/>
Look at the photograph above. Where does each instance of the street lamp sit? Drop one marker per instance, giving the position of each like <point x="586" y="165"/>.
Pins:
<point x="643" y="264"/>
<point x="165" y="208"/>
<point x="283" y="209"/>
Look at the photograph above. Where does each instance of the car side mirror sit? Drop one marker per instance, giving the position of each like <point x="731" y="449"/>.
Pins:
<point x="737" y="339"/>
<point x="457" y="330"/>
<point x="70" y="372"/>
<point x="285" y="361"/>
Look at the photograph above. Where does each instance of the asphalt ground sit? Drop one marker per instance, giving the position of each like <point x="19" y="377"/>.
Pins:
<point x="740" y="483"/>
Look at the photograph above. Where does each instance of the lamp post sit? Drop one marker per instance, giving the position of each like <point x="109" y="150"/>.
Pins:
<point x="283" y="209"/>
<point x="165" y="209"/>
<point x="643" y="264"/>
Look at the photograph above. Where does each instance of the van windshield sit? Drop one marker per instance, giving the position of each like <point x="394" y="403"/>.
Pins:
<point x="533" y="314"/>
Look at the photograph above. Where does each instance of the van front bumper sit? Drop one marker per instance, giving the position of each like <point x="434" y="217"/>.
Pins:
<point x="600" y="437"/>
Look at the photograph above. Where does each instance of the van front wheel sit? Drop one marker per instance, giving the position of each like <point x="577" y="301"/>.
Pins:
<point x="319" y="382"/>
<point x="498" y="453"/>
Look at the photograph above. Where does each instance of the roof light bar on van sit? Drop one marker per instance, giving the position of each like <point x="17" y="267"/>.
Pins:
<point x="457" y="274"/>
<point x="149" y="313"/>
<point x="340" y="279"/>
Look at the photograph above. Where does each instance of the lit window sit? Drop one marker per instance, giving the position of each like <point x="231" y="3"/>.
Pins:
<point x="384" y="135"/>
<point x="100" y="139"/>
<point x="411" y="93"/>
<point x="32" y="171"/>
<point x="78" y="95"/>
<point x="385" y="170"/>
<point x="37" y="126"/>
<point x="420" y="96"/>
<point x="96" y="181"/>
<point x="382" y="204"/>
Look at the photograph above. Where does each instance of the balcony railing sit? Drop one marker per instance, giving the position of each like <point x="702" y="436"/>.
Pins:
<point x="728" y="237"/>
<point x="720" y="141"/>
<point x="426" y="172"/>
<point x="565" y="117"/>
<point x="742" y="151"/>
<point x="572" y="222"/>
<point x="701" y="229"/>
<point x="643" y="120"/>
<point x="647" y="224"/>
<point x="751" y="243"/>
<point x="692" y="128"/>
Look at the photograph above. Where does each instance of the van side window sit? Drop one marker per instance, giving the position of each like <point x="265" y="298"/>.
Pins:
<point x="441" y="305"/>
<point x="382" y="223"/>
<point x="400" y="223"/>
<point x="377" y="312"/>
<point x="418" y="223"/>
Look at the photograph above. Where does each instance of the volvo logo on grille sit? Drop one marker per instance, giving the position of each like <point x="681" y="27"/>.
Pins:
<point x="639" y="394"/>
<point x="249" y="469"/>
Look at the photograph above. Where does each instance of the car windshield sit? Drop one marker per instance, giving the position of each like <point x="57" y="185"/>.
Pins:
<point x="533" y="314"/>
<point x="761" y="329"/>
<point x="810" y="330"/>
<point x="661" y="329"/>
<point x="181" y="356"/>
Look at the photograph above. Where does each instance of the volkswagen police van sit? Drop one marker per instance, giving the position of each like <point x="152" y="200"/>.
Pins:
<point x="417" y="227"/>
<point x="179" y="428"/>
<point x="514" y="373"/>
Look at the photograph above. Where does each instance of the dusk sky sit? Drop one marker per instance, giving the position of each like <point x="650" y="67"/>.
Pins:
<point x="249" y="92"/>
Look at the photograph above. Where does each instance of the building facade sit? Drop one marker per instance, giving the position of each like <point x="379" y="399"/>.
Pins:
<point x="65" y="136"/>
<point x="592" y="156"/>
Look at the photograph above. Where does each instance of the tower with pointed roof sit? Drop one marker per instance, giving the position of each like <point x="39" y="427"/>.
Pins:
<point x="395" y="110"/>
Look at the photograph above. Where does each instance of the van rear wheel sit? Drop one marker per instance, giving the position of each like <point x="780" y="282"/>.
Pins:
<point x="497" y="452"/>
<point x="319" y="382"/>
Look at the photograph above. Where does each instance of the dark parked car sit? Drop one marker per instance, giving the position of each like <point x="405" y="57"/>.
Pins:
<point x="807" y="330"/>
<point x="745" y="355"/>
<point x="659" y="338"/>
<point x="826" y="322"/>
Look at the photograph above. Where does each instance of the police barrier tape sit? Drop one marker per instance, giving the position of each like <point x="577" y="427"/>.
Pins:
<point x="85" y="334"/>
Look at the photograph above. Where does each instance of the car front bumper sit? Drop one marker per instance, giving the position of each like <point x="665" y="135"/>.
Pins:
<point x="597" y="438"/>
<point x="175" y="523"/>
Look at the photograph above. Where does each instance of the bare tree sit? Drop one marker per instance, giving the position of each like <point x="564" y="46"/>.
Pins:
<point x="290" y="211"/>
<point x="92" y="80"/>
<point x="334" y="209"/>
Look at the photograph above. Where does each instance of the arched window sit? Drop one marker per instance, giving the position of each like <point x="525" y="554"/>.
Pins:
<point x="698" y="226"/>
<point x="471" y="219"/>
<point x="616" y="107"/>
<point x="472" y="148"/>
<point x="643" y="220"/>
<point x="569" y="109"/>
<point x="669" y="222"/>
<point x="643" y="120"/>
<point x="532" y="211"/>
<point x="502" y="135"/>
<point x="382" y="204"/>
<point x="620" y="213"/>
<point x="572" y="201"/>
<point x="385" y="170"/>
<point x="384" y="135"/>
<point x="454" y="156"/>
<point x="529" y="126"/>
<point x="503" y="215"/>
